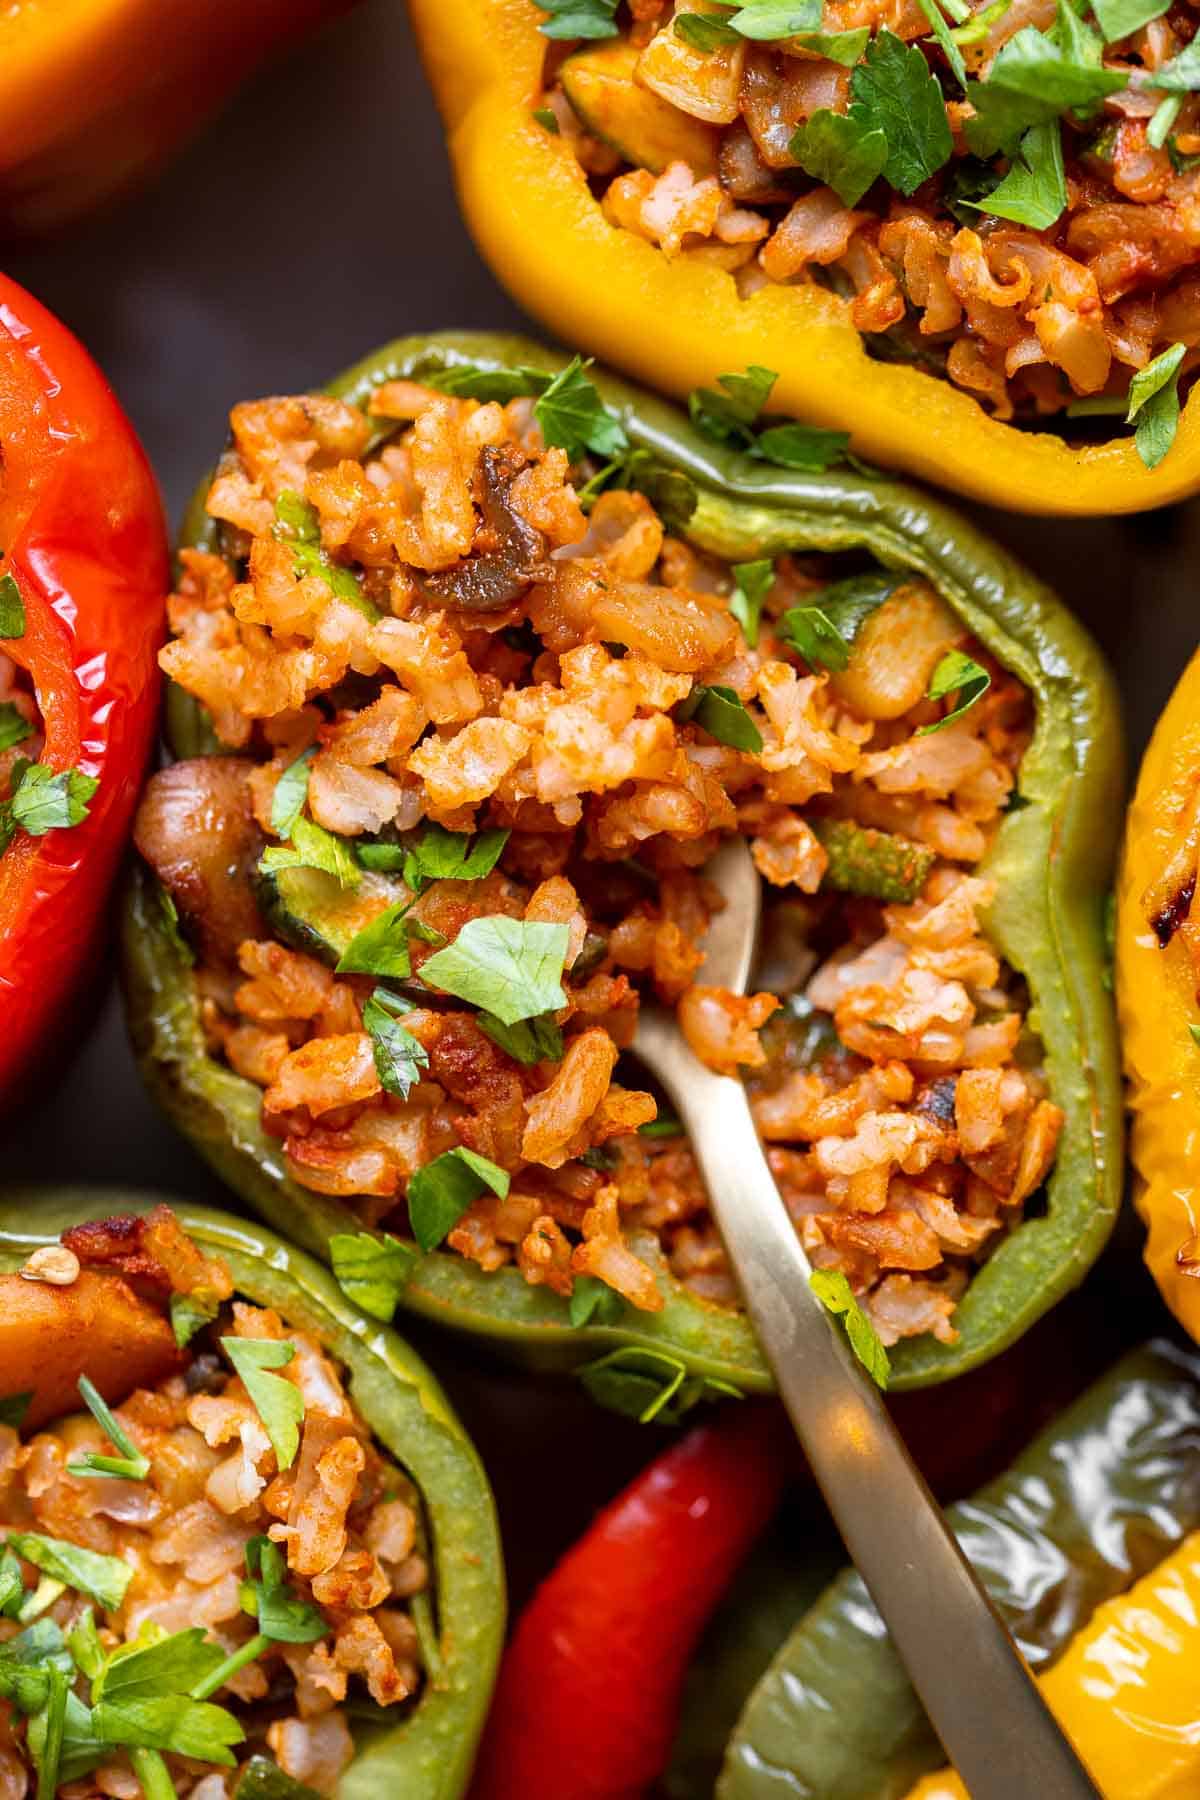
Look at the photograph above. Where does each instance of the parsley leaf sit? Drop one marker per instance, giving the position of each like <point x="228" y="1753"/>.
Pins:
<point x="14" y="726"/>
<point x="440" y="1193"/>
<point x="1179" y="76"/>
<point x="399" y="1056"/>
<point x="726" y="413"/>
<point x="754" y="582"/>
<point x="174" y="1664"/>
<point x="528" y="1041"/>
<point x="12" y="609"/>
<point x="49" y="1756"/>
<point x="840" y="150"/>
<point x="312" y="847"/>
<point x="170" y="1722"/>
<point x="1034" y="192"/>
<point x="844" y="47"/>
<point x="131" y="1464"/>
<point x="501" y="385"/>
<point x="291" y="792"/>
<point x="12" y="1588"/>
<point x="593" y="1302"/>
<point x="44" y="800"/>
<point x="282" y="1615"/>
<point x="1154" y="403"/>
<point x="509" y="967"/>
<point x="1035" y="77"/>
<point x="277" y="1402"/>
<point x="103" y="1579"/>
<point x="547" y="119"/>
<point x="578" y="18"/>
<point x="381" y="947"/>
<point x="823" y="634"/>
<point x="297" y="523"/>
<point x="949" y="48"/>
<point x="1120" y="18"/>
<point x="956" y="673"/>
<point x="719" y="710"/>
<point x="572" y="415"/>
<point x="372" y="1271"/>
<point x="833" y="1291"/>
<point x="705" y="32"/>
<point x="766" y="21"/>
<point x="808" y="447"/>
<point x="662" y="1127"/>
<point x="895" y="92"/>
<point x="441" y="855"/>
<point x="189" y="1314"/>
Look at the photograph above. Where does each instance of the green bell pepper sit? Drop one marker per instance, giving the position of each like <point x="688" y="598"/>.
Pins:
<point x="428" y="1756"/>
<point x="1051" y="860"/>
<point x="1095" y="1502"/>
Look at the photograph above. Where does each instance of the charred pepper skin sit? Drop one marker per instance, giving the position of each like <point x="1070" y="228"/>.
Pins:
<point x="430" y="1755"/>
<point x="1156" y="997"/>
<point x="1101" y="1497"/>
<point x="1051" y="861"/>
<point x="605" y="290"/>
<point x="82" y="532"/>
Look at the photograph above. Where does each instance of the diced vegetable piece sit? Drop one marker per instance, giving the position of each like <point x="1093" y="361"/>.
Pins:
<point x="599" y="83"/>
<point x="877" y="864"/>
<point x="705" y="84"/>
<point x="315" y="913"/>
<point x="97" y="1326"/>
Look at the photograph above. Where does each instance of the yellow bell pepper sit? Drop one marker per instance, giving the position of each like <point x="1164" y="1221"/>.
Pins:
<point x="1156" y="995"/>
<point x="1126" y="1690"/>
<point x="95" y="93"/>
<point x="679" y="324"/>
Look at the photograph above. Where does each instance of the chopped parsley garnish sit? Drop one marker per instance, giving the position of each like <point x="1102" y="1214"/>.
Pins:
<point x="468" y="382"/>
<point x="894" y="91"/>
<point x="190" y="1313"/>
<point x="1182" y="74"/>
<point x="1154" y="404"/>
<point x="277" y="1402"/>
<point x="1194" y="1033"/>
<point x="141" y="1671"/>
<point x="573" y="416"/>
<point x="12" y="1588"/>
<point x="381" y="947"/>
<point x="312" y="847"/>
<point x="941" y="31"/>
<point x="769" y="20"/>
<point x="720" y="712"/>
<point x="956" y="673"/>
<point x="103" y="1579"/>
<point x="578" y="18"/>
<point x="1034" y="192"/>
<point x="1120" y="18"/>
<point x="727" y="413"/>
<point x="511" y="968"/>
<point x="441" y="855"/>
<point x="43" y="799"/>
<point x="283" y="1617"/>
<point x="833" y="1291"/>
<point x="399" y="1056"/>
<point x="131" y="1464"/>
<point x="172" y="1722"/>
<point x="14" y="726"/>
<point x="528" y="1041"/>
<point x="12" y="608"/>
<point x="291" y="792"/>
<point x="593" y="1302"/>
<point x="754" y="582"/>
<point x="663" y="1127"/>
<point x="843" y="152"/>
<point x="297" y="524"/>
<point x="703" y="31"/>
<point x="372" y="1271"/>
<point x="547" y="119"/>
<point x="440" y="1193"/>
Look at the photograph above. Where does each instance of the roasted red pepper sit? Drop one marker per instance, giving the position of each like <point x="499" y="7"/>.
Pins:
<point x="588" y="1698"/>
<point x="83" y="578"/>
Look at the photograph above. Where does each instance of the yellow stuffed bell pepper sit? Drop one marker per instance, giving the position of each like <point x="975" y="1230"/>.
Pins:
<point x="681" y="322"/>
<point x="1125" y="1691"/>
<point x="96" y="93"/>
<point x="1158" y="972"/>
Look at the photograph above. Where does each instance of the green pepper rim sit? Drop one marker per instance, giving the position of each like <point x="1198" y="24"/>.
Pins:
<point x="430" y="1754"/>
<point x="1052" y="861"/>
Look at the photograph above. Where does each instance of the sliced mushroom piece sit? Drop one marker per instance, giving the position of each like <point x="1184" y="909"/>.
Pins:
<point x="511" y="555"/>
<point x="196" y="830"/>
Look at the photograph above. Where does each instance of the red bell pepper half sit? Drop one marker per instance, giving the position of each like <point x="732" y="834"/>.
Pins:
<point x="83" y="580"/>
<point x="588" y="1698"/>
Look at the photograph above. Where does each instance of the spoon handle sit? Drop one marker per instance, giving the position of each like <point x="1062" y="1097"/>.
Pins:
<point x="984" y="1704"/>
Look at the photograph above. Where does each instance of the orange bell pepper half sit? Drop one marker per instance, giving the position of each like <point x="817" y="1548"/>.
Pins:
<point x="94" y="94"/>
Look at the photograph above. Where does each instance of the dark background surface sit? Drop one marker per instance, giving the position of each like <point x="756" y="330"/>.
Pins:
<point x="314" y="220"/>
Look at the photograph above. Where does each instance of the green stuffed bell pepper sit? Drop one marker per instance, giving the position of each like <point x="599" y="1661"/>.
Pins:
<point x="268" y="1494"/>
<point x="1101" y="1497"/>
<point x="476" y="657"/>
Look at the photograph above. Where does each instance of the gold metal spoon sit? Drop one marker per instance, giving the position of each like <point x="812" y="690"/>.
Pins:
<point x="973" y="1683"/>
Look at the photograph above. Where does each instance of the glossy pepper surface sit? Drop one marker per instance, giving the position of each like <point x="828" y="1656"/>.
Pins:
<point x="540" y="226"/>
<point x="1156" y="991"/>
<point x="1050" y="862"/>
<point x="94" y="94"/>
<point x="429" y="1755"/>
<point x="1105" y="1495"/>
<point x="588" y="1696"/>
<point x="82" y="533"/>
